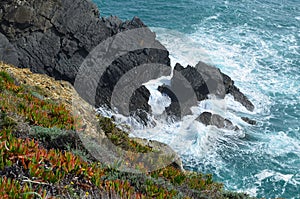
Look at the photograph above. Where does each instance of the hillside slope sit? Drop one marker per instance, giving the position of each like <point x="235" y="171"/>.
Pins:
<point x="43" y="157"/>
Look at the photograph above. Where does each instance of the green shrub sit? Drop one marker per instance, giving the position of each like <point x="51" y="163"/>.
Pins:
<point x="121" y="138"/>
<point x="46" y="134"/>
<point x="6" y="77"/>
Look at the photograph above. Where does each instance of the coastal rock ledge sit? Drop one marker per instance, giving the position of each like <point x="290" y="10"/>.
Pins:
<point x="54" y="37"/>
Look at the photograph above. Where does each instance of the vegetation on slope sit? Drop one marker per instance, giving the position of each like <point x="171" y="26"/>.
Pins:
<point x="42" y="157"/>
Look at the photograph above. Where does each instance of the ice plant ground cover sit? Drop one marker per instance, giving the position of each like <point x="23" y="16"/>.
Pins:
<point x="30" y="167"/>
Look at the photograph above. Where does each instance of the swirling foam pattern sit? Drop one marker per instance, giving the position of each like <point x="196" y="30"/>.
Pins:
<point x="257" y="44"/>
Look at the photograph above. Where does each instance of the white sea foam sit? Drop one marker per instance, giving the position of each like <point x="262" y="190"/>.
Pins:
<point x="281" y="144"/>
<point x="157" y="100"/>
<point x="255" y="79"/>
<point x="276" y="176"/>
<point x="214" y="150"/>
<point x="213" y="17"/>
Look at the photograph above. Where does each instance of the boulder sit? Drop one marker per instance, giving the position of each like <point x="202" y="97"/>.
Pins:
<point x="249" y="121"/>
<point x="208" y="118"/>
<point x="192" y="84"/>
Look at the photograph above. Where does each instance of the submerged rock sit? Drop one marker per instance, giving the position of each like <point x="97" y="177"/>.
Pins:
<point x="249" y="121"/>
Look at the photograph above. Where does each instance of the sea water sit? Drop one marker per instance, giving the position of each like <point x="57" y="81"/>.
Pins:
<point x="257" y="44"/>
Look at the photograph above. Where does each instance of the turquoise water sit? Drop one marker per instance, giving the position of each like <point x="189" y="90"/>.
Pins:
<point x="257" y="44"/>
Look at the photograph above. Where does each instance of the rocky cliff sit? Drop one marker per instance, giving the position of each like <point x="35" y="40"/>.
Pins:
<point x="55" y="37"/>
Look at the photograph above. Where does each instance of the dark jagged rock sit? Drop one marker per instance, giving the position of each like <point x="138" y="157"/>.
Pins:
<point x="248" y="120"/>
<point x="216" y="120"/>
<point x="132" y="62"/>
<point x="113" y="23"/>
<point x="8" y="52"/>
<point x="213" y="79"/>
<point x="137" y="100"/>
<point x="54" y="37"/>
<point x="200" y="81"/>
<point x="194" y="81"/>
<point x="217" y="83"/>
<point x="192" y="84"/>
<point x="240" y="97"/>
<point x="186" y="89"/>
<point x="236" y="93"/>
<point x="139" y="106"/>
<point x="116" y="25"/>
<point x="174" y="108"/>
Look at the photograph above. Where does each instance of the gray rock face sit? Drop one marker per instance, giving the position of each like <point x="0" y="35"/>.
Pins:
<point x="8" y="52"/>
<point x="52" y="37"/>
<point x="55" y="36"/>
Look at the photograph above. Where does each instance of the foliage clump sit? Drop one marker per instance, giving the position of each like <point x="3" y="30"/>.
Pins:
<point x="20" y="100"/>
<point x="121" y="138"/>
